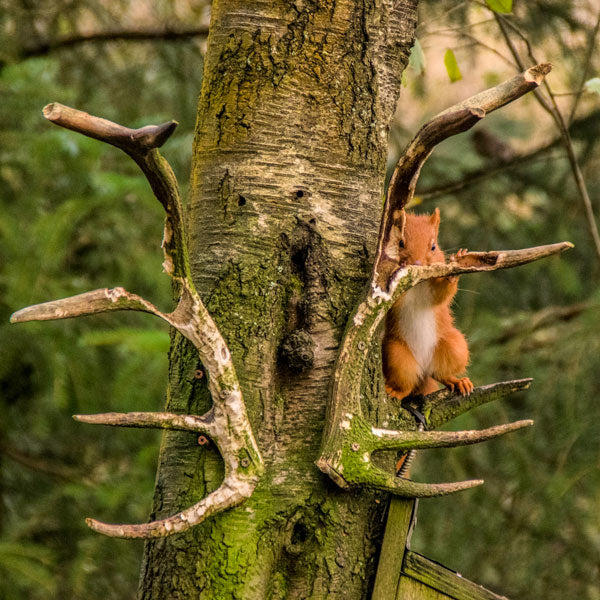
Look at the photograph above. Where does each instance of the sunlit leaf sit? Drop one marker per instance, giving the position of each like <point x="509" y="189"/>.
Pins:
<point x="452" y="66"/>
<point x="593" y="85"/>
<point x="416" y="60"/>
<point x="500" y="6"/>
<point x="404" y="80"/>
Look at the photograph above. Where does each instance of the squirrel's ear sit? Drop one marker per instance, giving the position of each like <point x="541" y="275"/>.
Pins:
<point x="435" y="219"/>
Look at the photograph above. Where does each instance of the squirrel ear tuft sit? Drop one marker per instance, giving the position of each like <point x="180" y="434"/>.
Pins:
<point x="435" y="219"/>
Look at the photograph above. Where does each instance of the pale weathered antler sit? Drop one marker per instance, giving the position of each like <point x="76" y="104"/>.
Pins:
<point x="348" y="440"/>
<point x="226" y="423"/>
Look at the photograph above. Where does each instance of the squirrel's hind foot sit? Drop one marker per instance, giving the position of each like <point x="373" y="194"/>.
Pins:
<point x="394" y="393"/>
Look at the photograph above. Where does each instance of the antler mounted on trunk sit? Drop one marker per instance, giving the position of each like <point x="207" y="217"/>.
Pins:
<point x="226" y="423"/>
<point x="348" y="439"/>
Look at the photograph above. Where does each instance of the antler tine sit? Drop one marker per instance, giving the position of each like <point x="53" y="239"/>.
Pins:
<point x="385" y="439"/>
<point x="142" y="145"/>
<point x="454" y="120"/>
<point x="156" y="420"/>
<point x="377" y="478"/>
<point x="232" y="491"/>
<point x="88" y="303"/>
<point x="444" y="405"/>
<point x="354" y="465"/>
<point x="470" y="262"/>
<point x="133" y="141"/>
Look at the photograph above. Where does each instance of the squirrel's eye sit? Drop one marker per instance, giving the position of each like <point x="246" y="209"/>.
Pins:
<point x="401" y="243"/>
<point x="433" y="246"/>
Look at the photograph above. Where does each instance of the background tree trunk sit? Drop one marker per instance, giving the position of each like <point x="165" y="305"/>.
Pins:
<point x="285" y="201"/>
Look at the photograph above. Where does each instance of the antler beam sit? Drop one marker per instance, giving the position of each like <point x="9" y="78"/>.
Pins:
<point x="348" y="440"/>
<point x="452" y="121"/>
<point x="226" y="423"/>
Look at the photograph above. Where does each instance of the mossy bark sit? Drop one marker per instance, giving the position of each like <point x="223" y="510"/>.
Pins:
<point x="284" y="209"/>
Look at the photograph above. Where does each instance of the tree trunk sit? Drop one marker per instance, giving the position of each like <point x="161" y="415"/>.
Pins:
<point x="285" y="203"/>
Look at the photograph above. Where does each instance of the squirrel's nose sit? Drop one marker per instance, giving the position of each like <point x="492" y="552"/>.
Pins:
<point x="417" y="263"/>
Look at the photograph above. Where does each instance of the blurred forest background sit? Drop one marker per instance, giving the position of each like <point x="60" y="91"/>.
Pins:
<point x="77" y="215"/>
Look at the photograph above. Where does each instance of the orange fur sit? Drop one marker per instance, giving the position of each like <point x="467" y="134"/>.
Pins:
<point x="421" y="344"/>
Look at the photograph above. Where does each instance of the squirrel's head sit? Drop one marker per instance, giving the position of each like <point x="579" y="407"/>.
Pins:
<point x="417" y="238"/>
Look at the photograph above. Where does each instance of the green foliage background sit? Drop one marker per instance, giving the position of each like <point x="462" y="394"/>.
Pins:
<point x="77" y="215"/>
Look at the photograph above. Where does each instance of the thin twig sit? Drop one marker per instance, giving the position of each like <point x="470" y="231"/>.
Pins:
<point x="586" y="67"/>
<point x="458" y="29"/>
<point x="553" y="109"/>
<point x="471" y="177"/>
<point x="444" y="15"/>
<point x="524" y="324"/>
<point x="489" y="48"/>
<point x="125" y="35"/>
<point x="48" y="466"/>
<point x="469" y="45"/>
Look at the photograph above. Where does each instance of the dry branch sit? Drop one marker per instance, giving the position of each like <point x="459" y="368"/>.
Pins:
<point x="348" y="440"/>
<point x="226" y="422"/>
<point x="126" y="35"/>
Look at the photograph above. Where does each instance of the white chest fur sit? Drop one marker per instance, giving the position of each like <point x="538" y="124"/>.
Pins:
<point x="416" y="323"/>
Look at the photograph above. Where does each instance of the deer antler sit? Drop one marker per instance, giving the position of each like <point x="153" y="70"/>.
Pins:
<point x="226" y="423"/>
<point x="348" y="440"/>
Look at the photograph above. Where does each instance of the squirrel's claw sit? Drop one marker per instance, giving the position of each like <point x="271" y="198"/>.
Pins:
<point x="394" y="393"/>
<point x="464" y="385"/>
<point x="460" y="254"/>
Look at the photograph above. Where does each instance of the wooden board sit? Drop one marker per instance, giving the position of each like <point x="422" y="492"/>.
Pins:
<point x="437" y="577"/>
<point x="409" y="589"/>
<point x="389" y="568"/>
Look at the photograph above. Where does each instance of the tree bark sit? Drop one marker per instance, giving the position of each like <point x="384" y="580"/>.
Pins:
<point x="283" y="214"/>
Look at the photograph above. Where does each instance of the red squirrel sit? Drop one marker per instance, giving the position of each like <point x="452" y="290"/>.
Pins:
<point x="421" y="346"/>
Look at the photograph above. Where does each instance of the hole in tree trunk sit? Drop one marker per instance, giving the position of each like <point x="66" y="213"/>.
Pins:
<point x="300" y="533"/>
